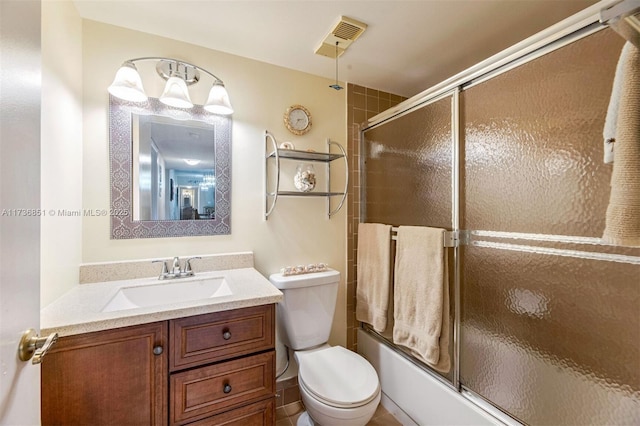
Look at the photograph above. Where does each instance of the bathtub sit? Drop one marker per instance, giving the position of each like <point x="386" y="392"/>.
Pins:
<point x="413" y="396"/>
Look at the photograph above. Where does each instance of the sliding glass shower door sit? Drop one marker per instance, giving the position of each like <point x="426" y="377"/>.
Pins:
<point x="407" y="180"/>
<point x="549" y="315"/>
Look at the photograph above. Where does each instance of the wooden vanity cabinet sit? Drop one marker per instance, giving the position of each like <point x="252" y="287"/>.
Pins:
<point x="111" y="377"/>
<point x="211" y="369"/>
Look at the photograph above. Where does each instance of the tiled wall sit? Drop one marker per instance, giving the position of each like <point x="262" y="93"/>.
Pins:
<point x="362" y="104"/>
<point x="287" y="391"/>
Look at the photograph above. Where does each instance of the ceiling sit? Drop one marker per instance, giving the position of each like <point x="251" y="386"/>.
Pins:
<point x="179" y="141"/>
<point x="408" y="46"/>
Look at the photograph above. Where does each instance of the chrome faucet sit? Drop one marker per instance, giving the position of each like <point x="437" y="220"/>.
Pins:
<point x="176" y="271"/>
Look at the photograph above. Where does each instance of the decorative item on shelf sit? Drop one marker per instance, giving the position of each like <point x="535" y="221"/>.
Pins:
<point x="301" y="269"/>
<point x="287" y="145"/>
<point x="297" y="119"/>
<point x="305" y="178"/>
<point x="127" y="85"/>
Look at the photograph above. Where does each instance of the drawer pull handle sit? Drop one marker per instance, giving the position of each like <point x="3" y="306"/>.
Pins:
<point x="226" y="335"/>
<point x="227" y="388"/>
<point x="158" y="350"/>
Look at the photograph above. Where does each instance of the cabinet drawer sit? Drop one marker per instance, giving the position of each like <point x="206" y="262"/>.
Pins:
<point x="259" y="414"/>
<point x="213" y="389"/>
<point x="214" y="337"/>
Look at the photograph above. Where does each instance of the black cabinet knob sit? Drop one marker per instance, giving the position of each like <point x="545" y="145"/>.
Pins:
<point x="226" y="335"/>
<point x="157" y="350"/>
<point x="226" y="388"/>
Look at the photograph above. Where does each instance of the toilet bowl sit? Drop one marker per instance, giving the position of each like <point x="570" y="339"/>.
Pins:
<point x="338" y="387"/>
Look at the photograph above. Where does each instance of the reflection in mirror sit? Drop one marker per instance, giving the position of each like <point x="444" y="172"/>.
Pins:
<point x="170" y="170"/>
<point x="173" y="169"/>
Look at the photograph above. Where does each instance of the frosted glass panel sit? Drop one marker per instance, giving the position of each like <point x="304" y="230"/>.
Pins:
<point x="549" y="334"/>
<point x="551" y="339"/>
<point x="408" y="168"/>
<point x="533" y="142"/>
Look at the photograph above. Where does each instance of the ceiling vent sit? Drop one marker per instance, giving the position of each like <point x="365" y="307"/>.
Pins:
<point x="345" y="32"/>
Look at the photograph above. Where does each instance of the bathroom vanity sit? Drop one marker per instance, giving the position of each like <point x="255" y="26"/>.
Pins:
<point x="203" y="362"/>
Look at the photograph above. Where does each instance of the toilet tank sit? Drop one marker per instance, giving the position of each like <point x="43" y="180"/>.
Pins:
<point x="305" y="314"/>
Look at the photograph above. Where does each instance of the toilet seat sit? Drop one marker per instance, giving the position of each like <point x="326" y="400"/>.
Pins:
<point x="338" y="377"/>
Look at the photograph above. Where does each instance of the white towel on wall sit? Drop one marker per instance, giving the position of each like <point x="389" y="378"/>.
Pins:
<point x="373" y="274"/>
<point x="611" y="121"/>
<point x="421" y="295"/>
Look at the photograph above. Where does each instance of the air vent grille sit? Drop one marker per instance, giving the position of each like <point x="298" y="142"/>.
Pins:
<point x="347" y="31"/>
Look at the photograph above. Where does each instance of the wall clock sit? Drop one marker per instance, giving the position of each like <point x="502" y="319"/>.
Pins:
<point x="297" y="119"/>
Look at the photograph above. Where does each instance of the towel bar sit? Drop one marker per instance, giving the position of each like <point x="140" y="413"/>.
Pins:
<point x="451" y="238"/>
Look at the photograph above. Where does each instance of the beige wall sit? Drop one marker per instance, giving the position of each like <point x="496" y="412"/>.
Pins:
<point x="61" y="148"/>
<point x="298" y="232"/>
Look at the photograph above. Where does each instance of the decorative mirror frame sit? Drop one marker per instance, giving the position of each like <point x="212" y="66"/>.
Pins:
<point x="121" y="170"/>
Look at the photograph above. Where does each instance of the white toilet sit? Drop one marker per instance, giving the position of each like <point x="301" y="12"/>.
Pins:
<point x="338" y="386"/>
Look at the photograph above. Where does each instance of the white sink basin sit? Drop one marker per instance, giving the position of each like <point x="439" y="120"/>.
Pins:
<point x="166" y="293"/>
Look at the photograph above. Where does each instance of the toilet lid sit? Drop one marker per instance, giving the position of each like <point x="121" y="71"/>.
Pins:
<point x="338" y="377"/>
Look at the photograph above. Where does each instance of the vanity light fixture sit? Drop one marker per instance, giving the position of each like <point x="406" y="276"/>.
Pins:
<point x="127" y="85"/>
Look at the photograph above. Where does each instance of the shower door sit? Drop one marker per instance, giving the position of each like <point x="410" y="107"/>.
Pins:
<point x="408" y="180"/>
<point x="550" y="316"/>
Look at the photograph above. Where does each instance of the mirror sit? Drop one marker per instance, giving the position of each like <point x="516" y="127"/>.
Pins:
<point x="170" y="170"/>
<point x="173" y="168"/>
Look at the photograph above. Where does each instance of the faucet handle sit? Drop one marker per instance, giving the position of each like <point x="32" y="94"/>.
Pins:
<point x="175" y="269"/>
<point x="187" y="265"/>
<point x="165" y="268"/>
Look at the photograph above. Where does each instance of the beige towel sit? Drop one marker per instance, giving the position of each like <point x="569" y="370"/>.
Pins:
<point x="421" y="295"/>
<point x="623" y="213"/>
<point x="374" y="268"/>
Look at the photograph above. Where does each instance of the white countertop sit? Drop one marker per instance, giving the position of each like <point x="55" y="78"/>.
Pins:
<point x="79" y="310"/>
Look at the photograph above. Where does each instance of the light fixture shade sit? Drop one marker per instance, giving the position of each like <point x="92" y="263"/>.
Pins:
<point x="127" y="84"/>
<point x="218" y="101"/>
<point x="176" y="94"/>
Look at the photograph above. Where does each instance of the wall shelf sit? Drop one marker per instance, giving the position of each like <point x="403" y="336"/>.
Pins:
<point x="275" y="154"/>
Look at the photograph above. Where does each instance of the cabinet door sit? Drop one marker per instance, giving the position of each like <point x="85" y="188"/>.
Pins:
<point x="109" y="377"/>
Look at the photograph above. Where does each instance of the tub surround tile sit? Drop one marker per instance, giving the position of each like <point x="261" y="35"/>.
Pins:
<point x="79" y="310"/>
<point x="128" y="270"/>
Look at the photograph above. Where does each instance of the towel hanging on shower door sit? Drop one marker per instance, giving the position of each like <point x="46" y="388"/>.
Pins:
<point x="374" y="269"/>
<point x="421" y="295"/>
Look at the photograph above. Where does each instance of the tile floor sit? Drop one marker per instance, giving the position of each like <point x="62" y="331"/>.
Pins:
<point x="287" y="415"/>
